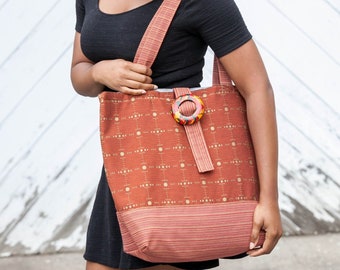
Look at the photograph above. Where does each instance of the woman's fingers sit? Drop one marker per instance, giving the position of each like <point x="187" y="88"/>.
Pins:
<point x="266" y="218"/>
<point x="138" y="68"/>
<point x="136" y="80"/>
<point x="269" y="244"/>
<point x="131" y="78"/>
<point x="137" y="90"/>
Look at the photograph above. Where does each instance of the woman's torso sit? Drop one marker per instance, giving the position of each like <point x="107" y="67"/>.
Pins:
<point x="181" y="57"/>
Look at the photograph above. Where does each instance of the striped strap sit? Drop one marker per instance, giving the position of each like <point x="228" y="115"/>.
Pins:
<point x="195" y="135"/>
<point x="220" y="76"/>
<point x="155" y="33"/>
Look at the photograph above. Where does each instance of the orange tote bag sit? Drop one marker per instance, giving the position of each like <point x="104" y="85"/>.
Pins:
<point x="180" y="164"/>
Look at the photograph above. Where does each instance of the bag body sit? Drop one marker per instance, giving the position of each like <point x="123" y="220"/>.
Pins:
<point x="182" y="193"/>
<point x="164" y="205"/>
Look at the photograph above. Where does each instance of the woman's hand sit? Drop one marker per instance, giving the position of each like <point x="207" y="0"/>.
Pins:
<point x="124" y="76"/>
<point x="266" y="218"/>
<point x="90" y="79"/>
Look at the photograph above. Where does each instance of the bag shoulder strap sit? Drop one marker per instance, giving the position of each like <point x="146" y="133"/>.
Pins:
<point x="155" y="33"/>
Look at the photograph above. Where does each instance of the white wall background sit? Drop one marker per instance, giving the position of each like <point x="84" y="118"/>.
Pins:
<point x="50" y="158"/>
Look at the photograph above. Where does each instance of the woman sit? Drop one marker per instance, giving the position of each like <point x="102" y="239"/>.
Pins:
<point x="107" y="36"/>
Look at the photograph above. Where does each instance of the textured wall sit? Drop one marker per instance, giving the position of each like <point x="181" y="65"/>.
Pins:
<point x="49" y="146"/>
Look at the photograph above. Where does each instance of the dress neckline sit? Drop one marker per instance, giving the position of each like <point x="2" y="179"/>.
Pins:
<point x="124" y="12"/>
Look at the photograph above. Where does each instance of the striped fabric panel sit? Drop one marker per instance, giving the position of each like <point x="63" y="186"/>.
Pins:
<point x="158" y="234"/>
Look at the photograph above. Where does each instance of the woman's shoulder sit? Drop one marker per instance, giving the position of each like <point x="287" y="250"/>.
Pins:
<point x="218" y="22"/>
<point x="198" y="9"/>
<point x="86" y="3"/>
<point x="209" y="3"/>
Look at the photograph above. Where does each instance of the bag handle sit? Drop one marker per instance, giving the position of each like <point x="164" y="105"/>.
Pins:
<point x="220" y="75"/>
<point x="154" y="37"/>
<point x="155" y="33"/>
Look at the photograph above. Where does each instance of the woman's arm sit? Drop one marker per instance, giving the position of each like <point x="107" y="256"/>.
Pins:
<point x="89" y="79"/>
<point x="247" y="70"/>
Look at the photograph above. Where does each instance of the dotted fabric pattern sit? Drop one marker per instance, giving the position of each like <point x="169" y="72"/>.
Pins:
<point x="148" y="159"/>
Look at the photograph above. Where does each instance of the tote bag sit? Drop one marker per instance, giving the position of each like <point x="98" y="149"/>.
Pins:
<point x="180" y="164"/>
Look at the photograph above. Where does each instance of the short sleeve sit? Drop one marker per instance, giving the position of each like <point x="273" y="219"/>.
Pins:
<point x="80" y="14"/>
<point x="221" y="25"/>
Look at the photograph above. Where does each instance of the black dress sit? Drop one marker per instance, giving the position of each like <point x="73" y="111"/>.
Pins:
<point x="197" y="24"/>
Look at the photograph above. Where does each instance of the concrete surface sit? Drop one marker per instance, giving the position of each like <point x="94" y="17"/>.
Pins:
<point x="319" y="252"/>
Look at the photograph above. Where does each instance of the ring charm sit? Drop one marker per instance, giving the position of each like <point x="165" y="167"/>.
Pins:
<point x="191" y="119"/>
